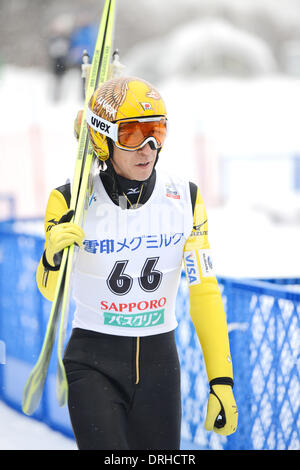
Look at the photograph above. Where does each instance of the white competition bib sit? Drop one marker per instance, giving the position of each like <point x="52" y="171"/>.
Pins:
<point x="126" y="274"/>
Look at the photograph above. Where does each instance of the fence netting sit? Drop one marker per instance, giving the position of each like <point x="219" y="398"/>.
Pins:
<point x="263" y="323"/>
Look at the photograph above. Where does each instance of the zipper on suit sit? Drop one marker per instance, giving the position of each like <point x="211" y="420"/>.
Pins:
<point x="137" y="361"/>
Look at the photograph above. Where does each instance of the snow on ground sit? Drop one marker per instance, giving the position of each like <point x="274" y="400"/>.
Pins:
<point x="19" y="432"/>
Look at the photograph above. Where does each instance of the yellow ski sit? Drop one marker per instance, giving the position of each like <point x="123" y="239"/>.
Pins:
<point x="79" y="191"/>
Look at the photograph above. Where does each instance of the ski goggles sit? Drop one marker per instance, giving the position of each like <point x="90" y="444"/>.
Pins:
<point x="131" y="134"/>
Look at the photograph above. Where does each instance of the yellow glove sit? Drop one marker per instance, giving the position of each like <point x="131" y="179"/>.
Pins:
<point x="77" y="124"/>
<point x="64" y="234"/>
<point x="222" y="412"/>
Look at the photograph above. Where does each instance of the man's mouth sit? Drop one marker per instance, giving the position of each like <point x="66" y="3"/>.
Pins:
<point x="143" y="165"/>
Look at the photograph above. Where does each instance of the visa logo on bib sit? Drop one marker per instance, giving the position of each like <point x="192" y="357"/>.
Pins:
<point x="191" y="268"/>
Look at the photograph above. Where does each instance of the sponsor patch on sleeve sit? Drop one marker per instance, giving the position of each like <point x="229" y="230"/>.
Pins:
<point x="206" y="263"/>
<point x="191" y="268"/>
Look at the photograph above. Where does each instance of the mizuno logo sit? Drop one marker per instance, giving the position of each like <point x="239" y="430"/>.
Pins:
<point x="197" y="227"/>
<point x="100" y="124"/>
<point x="133" y="191"/>
<point x="52" y="221"/>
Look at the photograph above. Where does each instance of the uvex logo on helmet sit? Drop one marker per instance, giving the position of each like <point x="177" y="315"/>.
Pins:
<point x="98" y="124"/>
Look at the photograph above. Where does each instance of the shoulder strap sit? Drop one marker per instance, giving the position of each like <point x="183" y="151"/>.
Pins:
<point x="65" y="190"/>
<point x="193" y="191"/>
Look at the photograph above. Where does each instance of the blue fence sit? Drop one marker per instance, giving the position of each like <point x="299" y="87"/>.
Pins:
<point x="263" y="320"/>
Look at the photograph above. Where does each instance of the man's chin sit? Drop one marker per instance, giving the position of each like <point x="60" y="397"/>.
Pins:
<point x="142" y="172"/>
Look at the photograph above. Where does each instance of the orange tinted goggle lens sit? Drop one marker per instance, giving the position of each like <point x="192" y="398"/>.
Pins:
<point x="132" y="134"/>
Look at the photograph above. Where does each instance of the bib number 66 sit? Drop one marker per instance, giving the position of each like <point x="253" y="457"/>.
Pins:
<point x="120" y="283"/>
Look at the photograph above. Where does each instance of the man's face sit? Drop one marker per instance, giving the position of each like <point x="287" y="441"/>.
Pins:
<point x="136" y="165"/>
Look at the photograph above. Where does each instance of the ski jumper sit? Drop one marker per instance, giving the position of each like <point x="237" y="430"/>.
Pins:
<point x="121" y="360"/>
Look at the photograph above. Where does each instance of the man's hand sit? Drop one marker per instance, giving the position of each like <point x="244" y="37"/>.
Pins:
<point x="63" y="234"/>
<point x="222" y="412"/>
